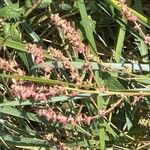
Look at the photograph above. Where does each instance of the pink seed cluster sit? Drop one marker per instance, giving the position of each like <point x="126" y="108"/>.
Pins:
<point x="25" y="91"/>
<point x="7" y="65"/>
<point x="147" y="39"/>
<point x="36" y="53"/>
<point x="57" y="54"/>
<point x="70" y="33"/>
<point x="51" y="115"/>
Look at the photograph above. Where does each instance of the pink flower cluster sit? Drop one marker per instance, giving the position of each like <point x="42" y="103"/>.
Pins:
<point x="62" y="146"/>
<point x="57" y="54"/>
<point x="36" y="53"/>
<point x="147" y="39"/>
<point x="126" y="12"/>
<point x="70" y="33"/>
<point x="8" y="65"/>
<point x="25" y="91"/>
<point x="49" y="114"/>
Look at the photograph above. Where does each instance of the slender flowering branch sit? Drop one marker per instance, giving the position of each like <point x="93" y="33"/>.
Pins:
<point x="57" y="54"/>
<point x="51" y="115"/>
<point x="127" y="13"/>
<point x="131" y="17"/>
<point x="105" y="112"/>
<point x="70" y="33"/>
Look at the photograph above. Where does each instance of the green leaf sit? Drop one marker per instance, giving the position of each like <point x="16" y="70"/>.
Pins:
<point x="36" y="79"/>
<point x="101" y="104"/>
<point x="6" y="30"/>
<point x="65" y="7"/>
<point x="45" y="3"/>
<point x="111" y="82"/>
<point x="15" y="34"/>
<point x="87" y="25"/>
<point x="120" y="41"/>
<point x="129" y="116"/>
<point x="23" y="141"/>
<point x="50" y="100"/>
<point x="11" y="11"/>
<point x="24" y="59"/>
<point x="19" y="113"/>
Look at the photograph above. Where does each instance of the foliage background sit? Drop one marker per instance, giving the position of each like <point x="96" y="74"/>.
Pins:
<point x="122" y="71"/>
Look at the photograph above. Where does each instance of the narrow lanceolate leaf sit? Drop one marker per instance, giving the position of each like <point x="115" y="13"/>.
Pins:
<point x="50" y="100"/>
<point x="13" y="44"/>
<point x="30" y="31"/>
<point x="23" y="141"/>
<point x="36" y="79"/>
<point x="87" y="25"/>
<point x="18" y="46"/>
<point x="102" y="133"/>
<point x="19" y="113"/>
<point x="120" y="41"/>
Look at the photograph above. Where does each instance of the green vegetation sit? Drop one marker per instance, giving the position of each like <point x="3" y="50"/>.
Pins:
<point x="74" y="74"/>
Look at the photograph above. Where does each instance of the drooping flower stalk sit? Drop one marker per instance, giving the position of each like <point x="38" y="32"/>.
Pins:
<point x="70" y="33"/>
<point x="131" y="17"/>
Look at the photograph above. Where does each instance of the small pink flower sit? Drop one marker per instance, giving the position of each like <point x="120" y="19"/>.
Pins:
<point x="124" y="9"/>
<point x="87" y="119"/>
<point x="74" y="93"/>
<point x="54" y="117"/>
<point x="62" y="119"/>
<point x="132" y="18"/>
<point x="79" y="118"/>
<point x="147" y="39"/>
<point x="122" y="1"/>
<point x="25" y="91"/>
<point x="71" y="120"/>
<point x="52" y="91"/>
<point x="41" y="96"/>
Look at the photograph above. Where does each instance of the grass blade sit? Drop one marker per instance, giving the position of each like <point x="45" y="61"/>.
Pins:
<point x="120" y="42"/>
<point x="86" y="25"/>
